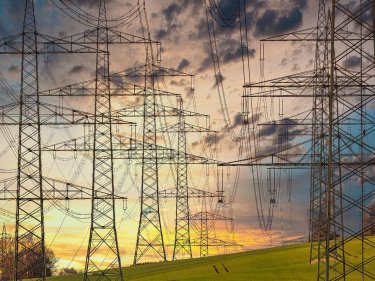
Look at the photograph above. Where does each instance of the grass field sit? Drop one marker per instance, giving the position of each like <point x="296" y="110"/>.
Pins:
<point x="287" y="263"/>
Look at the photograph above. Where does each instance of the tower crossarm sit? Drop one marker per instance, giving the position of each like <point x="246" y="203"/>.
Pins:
<point x="89" y="37"/>
<point x="159" y="71"/>
<point x="160" y="111"/>
<point x="53" y="189"/>
<point x="311" y="35"/>
<point x="53" y="115"/>
<point x="214" y="242"/>
<point x="127" y="148"/>
<point x="84" y="42"/>
<point x="209" y="216"/>
<point x="189" y="128"/>
<point x="45" y="45"/>
<point x="118" y="87"/>
<point x="193" y="193"/>
<point x="300" y="85"/>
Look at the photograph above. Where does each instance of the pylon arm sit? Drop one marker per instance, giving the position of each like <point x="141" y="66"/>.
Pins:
<point x="189" y="128"/>
<point x="215" y="242"/>
<point x="53" y="115"/>
<point x="54" y="189"/>
<point x="84" y="42"/>
<point x="117" y="88"/>
<point x="160" y="110"/>
<point x="114" y="37"/>
<point x="311" y="35"/>
<point x="193" y="193"/>
<point x="128" y="148"/>
<point x="158" y="71"/>
<point x="209" y="216"/>
<point x="304" y="81"/>
<point x="45" y="45"/>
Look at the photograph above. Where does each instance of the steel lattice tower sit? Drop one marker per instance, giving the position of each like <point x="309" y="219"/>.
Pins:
<point x="355" y="81"/>
<point x="30" y="246"/>
<point x="182" y="245"/>
<point x="203" y="234"/>
<point x="150" y="235"/>
<point x="320" y="129"/>
<point x="342" y="157"/>
<point x="103" y="233"/>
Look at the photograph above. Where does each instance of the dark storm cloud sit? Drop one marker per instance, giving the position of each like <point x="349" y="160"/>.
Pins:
<point x="212" y="139"/>
<point x="205" y="64"/>
<point x="172" y="15"/>
<point x="183" y="64"/>
<point x="172" y="11"/>
<point x="10" y="17"/>
<point x="90" y="3"/>
<point x="352" y="62"/>
<point x="77" y="69"/>
<point x="280" y="127"/>
<point x="231" y="55"/>
<point x="237" y="120"/>
<point x="301" y="3"/>
<point x="272" y="22"/>
<point x="161" y="34"/>
<point x="279" y="135"/>
<point x="267" y="130"/>
<point x="219" y="78"/>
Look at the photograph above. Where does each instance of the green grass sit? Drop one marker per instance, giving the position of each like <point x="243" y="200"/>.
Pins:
<point x="287" y="263"/>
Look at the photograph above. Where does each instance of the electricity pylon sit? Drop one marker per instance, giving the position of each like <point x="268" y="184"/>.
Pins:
<point x="320" y="129"/>
<point x="150" y="234"/>
<point x="30" y="194"/>
<point x="205" y="222"/>
<point x="341" y="88"/>
<point x="103" y="232"/>
<point x="182" y="244"/>
<point x="29" y="216"/>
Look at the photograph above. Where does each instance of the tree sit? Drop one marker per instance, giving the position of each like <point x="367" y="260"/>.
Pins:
<point x="7" y="258"/>
<point x="67" y="271"/>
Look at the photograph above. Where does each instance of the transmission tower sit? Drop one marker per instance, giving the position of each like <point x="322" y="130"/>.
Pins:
<point x="320" y="130"/>
<point x="29" y="216"/>
<point x="103" y="232"/>
<point x="182" y="246"/>
<point x="204" y="222"/>
<point x="182" y="227"/>
<point x="341" y="89"/>
<point x="150" y="235"/>
<point x="355" y="142"/>
<point x="30" y="192"/>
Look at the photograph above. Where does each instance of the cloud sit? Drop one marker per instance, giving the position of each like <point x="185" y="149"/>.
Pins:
<point x="238" y="120"/>
<point x="352" y="62"/>
<point x="212" y="139"/>
<point x="161" y="34"/>
<point x="272" y="22"/>
<point x="205" y="64"/>
<point x="219" y="78"/>
<point x="76" y="69"/>
<point x="172" y="11"/>
<point x="279" y="128"/>
<point x="231" y="56"/>
<point x="90" y="3"/>
<point x="183" y="64"/>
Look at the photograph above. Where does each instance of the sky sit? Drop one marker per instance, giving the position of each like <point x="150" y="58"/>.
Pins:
<point x="182" y="28"/>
